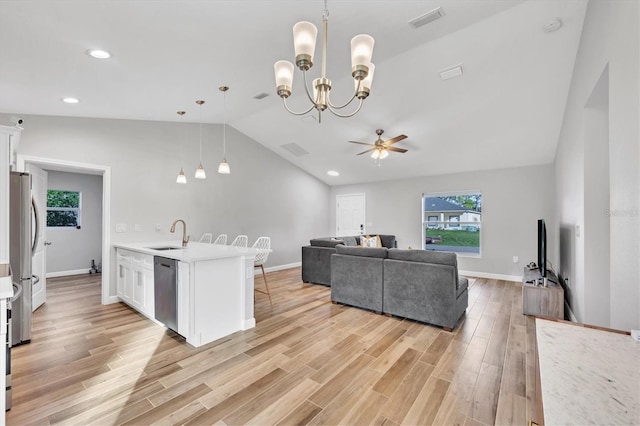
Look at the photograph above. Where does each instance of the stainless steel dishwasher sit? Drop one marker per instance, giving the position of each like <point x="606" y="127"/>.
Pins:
<point x="165" y="280"/>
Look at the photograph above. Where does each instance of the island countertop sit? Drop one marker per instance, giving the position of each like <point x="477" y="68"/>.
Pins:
<point x="195" y="251"/>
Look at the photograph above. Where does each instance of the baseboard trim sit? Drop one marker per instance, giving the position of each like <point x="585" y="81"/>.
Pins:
<point x="281" y="267"/>
<point x="68" y="273"/>
<point x="112" y="299"/>
<point x="490" y="276"/>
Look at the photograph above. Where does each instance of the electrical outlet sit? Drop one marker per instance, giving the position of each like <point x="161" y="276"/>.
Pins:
<point x="137" y="227"/>
<point x="577" y="231"/>
<point x="515" y="259"/>
<point x="158" y="227"/>
<point x="121" y="227"/>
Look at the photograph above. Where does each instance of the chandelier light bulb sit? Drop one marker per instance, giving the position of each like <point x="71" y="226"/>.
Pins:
<point x="361" y="49"/>
<point x="304" y="39"/>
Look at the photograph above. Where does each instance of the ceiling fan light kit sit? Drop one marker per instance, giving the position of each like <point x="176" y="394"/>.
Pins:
<point x="304" y="40"/>
<point x="381" y="148"/>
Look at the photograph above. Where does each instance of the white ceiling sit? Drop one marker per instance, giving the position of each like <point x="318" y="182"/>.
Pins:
<point x="505" y="111"/>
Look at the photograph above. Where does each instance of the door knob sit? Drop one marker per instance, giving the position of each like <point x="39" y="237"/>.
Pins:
<point x="47" y="243"/>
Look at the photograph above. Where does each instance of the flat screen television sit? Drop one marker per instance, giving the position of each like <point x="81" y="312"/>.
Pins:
<point x="542" y="248"/>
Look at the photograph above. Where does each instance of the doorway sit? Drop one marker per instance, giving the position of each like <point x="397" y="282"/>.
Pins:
<point x="350" y="214"/>
<point x="91" y="169"/>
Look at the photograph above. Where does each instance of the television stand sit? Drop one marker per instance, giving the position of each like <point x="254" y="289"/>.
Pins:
<point x="539" y="300"/>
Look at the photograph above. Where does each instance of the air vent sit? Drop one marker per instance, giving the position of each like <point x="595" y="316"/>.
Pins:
<point x="261" y="95"/>
<point x="451" y="73"/>
<point x="428" y="17"/>
<point x="295" y="149"/>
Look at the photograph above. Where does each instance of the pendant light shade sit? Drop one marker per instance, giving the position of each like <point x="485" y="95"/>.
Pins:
<point x="200" y="174"/>
<point x="181" y="177"/>
<point x="224" y="168"/>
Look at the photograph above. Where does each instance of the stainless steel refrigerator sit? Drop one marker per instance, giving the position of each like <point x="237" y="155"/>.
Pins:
<point x="21" y="216"/>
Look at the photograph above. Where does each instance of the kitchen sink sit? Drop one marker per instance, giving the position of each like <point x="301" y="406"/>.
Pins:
<point x="166" y="248"/>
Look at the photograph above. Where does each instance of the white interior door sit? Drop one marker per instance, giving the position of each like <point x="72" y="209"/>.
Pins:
<point x="39" y="261"/>
<point x="350" y="215"/>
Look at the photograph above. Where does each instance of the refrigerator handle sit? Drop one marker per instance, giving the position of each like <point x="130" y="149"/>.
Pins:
<point x="37" y="233"/>
<point x="35" y="279"/>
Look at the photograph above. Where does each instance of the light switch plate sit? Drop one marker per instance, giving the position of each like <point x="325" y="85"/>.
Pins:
<point x="137" y="227"/>
<point x="121" y="227"/>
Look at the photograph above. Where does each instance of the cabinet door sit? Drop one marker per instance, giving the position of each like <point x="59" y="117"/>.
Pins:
<point x="128" y="284"/>
<point x="137" y="299"/>
<point x="149" y="298"/>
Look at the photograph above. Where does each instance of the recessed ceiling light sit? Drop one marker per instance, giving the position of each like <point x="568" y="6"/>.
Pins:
<point x="70" y="100"/>
<point x="333" y="173"/>
<point x="553" y="25"/>
<point x="98" y="54"/>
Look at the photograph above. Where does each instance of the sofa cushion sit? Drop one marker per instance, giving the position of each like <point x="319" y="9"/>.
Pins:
<point x="388" y="241"/>
<point x="326" y="242"/>
<point x="424" y="256"/>
<point x="349" y="241"/>
<point x="380" y="253"/>
<point x="462" y="285"/>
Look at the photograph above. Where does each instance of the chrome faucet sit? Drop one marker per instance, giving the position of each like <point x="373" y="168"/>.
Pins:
<point x="185" y="238"/>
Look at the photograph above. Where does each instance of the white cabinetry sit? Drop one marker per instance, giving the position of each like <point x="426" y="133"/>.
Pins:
<point x="9" y="137"/>
<point x="135" y="280"/>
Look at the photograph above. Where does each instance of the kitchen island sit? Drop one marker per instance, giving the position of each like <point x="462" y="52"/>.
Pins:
<point x="214" y="286"/>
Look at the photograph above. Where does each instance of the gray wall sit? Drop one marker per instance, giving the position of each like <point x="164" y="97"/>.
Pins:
<point x="73" y="249"/>
<point x="609" y="43"/>
<point x="512" y="202"/>
<point x="263" y="195"/>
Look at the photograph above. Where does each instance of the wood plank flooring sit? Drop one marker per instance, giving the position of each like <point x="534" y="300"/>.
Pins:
<point x="306" y="362"/>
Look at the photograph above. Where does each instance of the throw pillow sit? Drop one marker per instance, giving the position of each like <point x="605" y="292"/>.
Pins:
<point x="378" y="241"/>
<point x="367" y="241"/>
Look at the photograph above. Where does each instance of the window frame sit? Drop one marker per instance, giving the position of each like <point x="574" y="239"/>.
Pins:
<point x="444" y="225"/>
<point x="77" y="210"/>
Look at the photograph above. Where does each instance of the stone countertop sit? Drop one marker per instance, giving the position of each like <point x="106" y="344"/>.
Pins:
<point x="6" y="284"/>
<point x="588" y="376"/>
<point x="195" y="251"/>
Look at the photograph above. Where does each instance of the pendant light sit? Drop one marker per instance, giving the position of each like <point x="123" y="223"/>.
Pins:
<point x="181" y="177"/>
<point x="224" y="168"/>
<point x="200" y="174"/>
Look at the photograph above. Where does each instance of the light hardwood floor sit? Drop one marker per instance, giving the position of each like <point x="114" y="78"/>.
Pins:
<point x="306" y="362"/>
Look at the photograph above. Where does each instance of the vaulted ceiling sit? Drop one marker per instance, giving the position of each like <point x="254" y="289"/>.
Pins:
<point x="506" y="110"/>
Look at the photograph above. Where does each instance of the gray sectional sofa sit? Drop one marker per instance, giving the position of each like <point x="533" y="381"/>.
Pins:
<point x="415" y="284"/>
<point x="316" y="257"/>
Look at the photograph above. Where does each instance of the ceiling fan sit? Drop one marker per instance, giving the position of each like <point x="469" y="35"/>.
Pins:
<point x="381" y="148"/>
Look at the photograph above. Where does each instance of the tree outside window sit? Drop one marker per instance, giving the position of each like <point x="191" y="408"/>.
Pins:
<point x="63" y="208"/>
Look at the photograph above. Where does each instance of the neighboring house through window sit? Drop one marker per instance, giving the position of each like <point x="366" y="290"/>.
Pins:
<point x="63" y="209"/>
<point x="452" y="222"/>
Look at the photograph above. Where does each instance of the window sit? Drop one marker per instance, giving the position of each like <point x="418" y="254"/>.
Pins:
<point x="63" y="209"/>
<point x="452" y="222"/>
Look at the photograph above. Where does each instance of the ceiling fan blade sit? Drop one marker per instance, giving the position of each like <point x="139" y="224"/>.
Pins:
<point x="361" y="143"/>
<point x="394" y="149"/>
<point x="394" y="140"/>
<point x="369" y="150"/>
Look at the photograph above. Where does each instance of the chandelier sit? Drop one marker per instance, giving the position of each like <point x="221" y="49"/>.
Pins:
<point x="304" y="40"/>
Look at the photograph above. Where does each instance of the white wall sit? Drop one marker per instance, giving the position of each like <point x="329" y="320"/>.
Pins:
<point x="263" y="195"/>
<point x="512" y="202"/>
<point x="610" y="38"/>
<point x="73" y="249"/>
